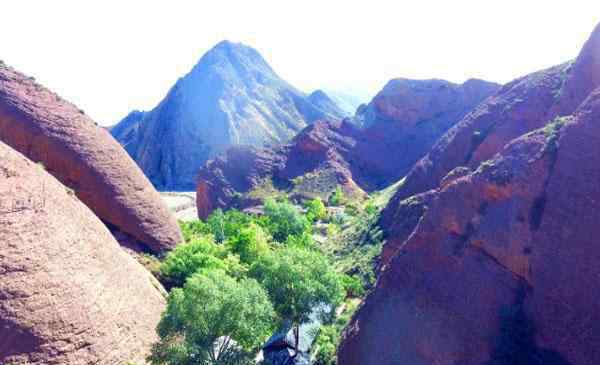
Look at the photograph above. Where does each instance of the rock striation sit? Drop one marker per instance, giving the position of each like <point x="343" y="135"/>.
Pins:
<point x="68" y="293"/>
<point x="84" y="157"/>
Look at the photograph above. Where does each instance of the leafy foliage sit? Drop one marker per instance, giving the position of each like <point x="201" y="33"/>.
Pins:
<point x="284" y="220"/>
<point x="315" y="210"/>
<point x="214" y="319"/>
<point x="199" y="254"/>
<point x="250" y="243"/>
<point x="337" y="198"/>
<point x="298" y="281"/>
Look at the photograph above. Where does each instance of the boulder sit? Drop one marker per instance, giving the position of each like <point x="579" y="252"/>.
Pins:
<point x="84" y="157"/>
<point x="68" y="293"/>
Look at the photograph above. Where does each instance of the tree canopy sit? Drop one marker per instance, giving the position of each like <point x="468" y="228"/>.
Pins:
<point x="214" y="319"/>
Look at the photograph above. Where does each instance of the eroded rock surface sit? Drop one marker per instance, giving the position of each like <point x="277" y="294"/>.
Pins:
<point x="84" y="157"/>
<point x="500" y="267"/>
<point x="68" y="293"/>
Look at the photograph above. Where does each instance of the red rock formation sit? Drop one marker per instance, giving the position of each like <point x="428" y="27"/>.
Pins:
<point x="519" y="107"/>
<point x="501" y="267"/>
<point x="401" y="124"/>
<point x="68" y="294"/>
<point x="84" y="157"/>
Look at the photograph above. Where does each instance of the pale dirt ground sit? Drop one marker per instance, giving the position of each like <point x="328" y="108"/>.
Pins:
<point x="181" y="204"/>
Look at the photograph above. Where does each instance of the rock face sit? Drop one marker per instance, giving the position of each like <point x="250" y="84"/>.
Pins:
<point x="231" y="97"/>
<point x="84" y="157"/>
<point x="521" y="106"/>
<point x="500" y="267"/>
<point x="69" y="294"/>
<point x="402" y="122"/>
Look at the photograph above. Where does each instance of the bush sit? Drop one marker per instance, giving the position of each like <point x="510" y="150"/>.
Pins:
<point x="315" y="210"/>
<point x="353" y="286"/>
<point x="326" y="343"/>
<point x="337" y="198"/>
<point x="194" y="229"/>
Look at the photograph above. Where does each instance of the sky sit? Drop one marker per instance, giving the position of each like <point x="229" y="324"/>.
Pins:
<point x="110" y="57"/>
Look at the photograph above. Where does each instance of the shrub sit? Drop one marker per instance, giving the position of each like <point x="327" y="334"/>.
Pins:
<point x="353" y="286"/>
<point x="315" y="210"/>
<point x="337" y="198"/>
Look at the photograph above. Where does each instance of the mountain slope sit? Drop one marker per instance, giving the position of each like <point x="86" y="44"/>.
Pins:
<point x="231" y="97"/>
<point x="325" y="155"/>
<point x="500" y="263"/>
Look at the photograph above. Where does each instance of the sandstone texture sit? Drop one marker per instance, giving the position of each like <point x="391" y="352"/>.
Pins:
<point x="500" y="264"/>
<point x="84" y="157"/>
<point x="68" y="293"/>
<point x="231" y="97"/>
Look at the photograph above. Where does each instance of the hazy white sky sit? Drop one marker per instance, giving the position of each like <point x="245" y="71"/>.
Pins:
<point x="110" y="57"/>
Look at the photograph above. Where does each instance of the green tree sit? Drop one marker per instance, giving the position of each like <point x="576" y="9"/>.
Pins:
<point x="193" y="230"/>
<point x="304" y="240"/>
<point x="298" y="282"/>
<point x="284" y="220"/>
<point x="315" y="210"/>
<point x="213" y="320"/>
<point x="250" y="243"/>
<point x="187" y="258"/>
<point x="337" y="198"/>
<point x="228" y="224"/>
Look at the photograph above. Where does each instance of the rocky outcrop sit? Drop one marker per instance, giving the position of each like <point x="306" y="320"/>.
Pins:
<point x="313" y="164"/>
<point x="521" y="106"/>
<point x="231" y="97"/>
<point x="84" y="157"/>
<point x="68" y="293"/>
<point x="402" y="121"/>
<point x="500" y="267"/>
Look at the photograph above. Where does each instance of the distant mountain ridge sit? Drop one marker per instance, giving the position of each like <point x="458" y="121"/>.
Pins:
<point x="401" y="124"/>
<point x="231" y="97"/>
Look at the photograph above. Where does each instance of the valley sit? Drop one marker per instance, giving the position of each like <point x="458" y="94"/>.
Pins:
<point x="244" y="221"/>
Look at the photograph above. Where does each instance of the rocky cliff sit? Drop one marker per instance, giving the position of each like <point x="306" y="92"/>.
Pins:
<point x="523" y="105"/>
<point x="499" y="264"/>
<point x="231" y="97"/>
<point x="84" y="157"/>
<point x="401" y="124"/>
<point x="68" y="293"/>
